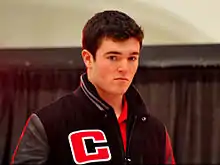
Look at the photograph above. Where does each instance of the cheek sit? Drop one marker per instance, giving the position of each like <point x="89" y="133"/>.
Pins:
<point x="133" y="68"/>
<point x="106" y="66"/>
<point x="103" y="72"/>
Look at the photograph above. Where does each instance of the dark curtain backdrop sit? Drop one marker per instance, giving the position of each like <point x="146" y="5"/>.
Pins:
<point x="185" y="99"/>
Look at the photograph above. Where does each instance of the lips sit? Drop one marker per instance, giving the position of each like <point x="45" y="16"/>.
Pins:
<point x="122" y="78"/>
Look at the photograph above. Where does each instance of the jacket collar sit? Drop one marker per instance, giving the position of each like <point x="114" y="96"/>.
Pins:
<point x="91" y="92"/>
<point x="132" y="96"/>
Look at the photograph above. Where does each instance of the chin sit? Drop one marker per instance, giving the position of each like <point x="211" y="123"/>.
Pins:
<point x="120" y="91"/>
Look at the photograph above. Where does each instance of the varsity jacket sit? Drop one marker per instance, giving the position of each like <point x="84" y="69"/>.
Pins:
<point x="81" y="128"/>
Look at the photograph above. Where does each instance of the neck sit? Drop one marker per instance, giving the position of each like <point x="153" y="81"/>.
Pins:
<point x="115" y="101"/>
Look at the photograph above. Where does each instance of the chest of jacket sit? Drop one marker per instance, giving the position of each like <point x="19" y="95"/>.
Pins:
<point x="91" y="136"/>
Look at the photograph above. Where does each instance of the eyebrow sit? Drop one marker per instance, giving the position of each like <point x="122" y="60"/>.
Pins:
<point x="119" y="53"/>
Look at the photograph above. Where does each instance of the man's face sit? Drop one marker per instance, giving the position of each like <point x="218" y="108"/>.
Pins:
<point x="115" y="65"/>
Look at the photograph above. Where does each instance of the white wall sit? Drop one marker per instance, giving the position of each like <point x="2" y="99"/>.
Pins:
<point x="58" y="23"/>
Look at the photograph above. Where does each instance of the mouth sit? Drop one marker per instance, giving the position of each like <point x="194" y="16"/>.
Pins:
<point x="121" y="78"/>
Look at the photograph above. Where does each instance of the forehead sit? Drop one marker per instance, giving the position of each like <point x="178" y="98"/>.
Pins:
<point x="126" y="46"/>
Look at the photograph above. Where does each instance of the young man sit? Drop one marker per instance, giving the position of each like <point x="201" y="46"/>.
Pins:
<point x="105" y="120"/>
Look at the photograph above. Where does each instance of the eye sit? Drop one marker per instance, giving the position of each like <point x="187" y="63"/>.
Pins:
<point x="132" y="58"/>
<point x="112" y="58"/>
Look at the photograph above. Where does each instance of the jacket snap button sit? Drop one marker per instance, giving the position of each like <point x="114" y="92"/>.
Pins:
<point x="106" y="115"/>
<point x="127" y="159"/>
<point x="143" y="118"/>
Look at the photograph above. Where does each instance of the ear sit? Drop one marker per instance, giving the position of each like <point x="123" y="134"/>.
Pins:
<point x="87" y="58"/>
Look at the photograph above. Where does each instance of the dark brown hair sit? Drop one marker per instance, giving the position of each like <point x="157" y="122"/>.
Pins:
<point x="111" y="24"/>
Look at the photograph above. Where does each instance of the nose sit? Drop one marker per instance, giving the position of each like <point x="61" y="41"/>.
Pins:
<point x="123" y="66"/>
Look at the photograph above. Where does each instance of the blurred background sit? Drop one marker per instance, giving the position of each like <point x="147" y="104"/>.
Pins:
<point x="178" y="77"/>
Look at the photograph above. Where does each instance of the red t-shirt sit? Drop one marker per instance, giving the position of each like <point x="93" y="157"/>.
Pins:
<point x="122" y="122"/>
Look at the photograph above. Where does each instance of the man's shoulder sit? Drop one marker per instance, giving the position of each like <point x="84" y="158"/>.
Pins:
<point x="156" y="123"/>
<point x="58" y="106"/>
